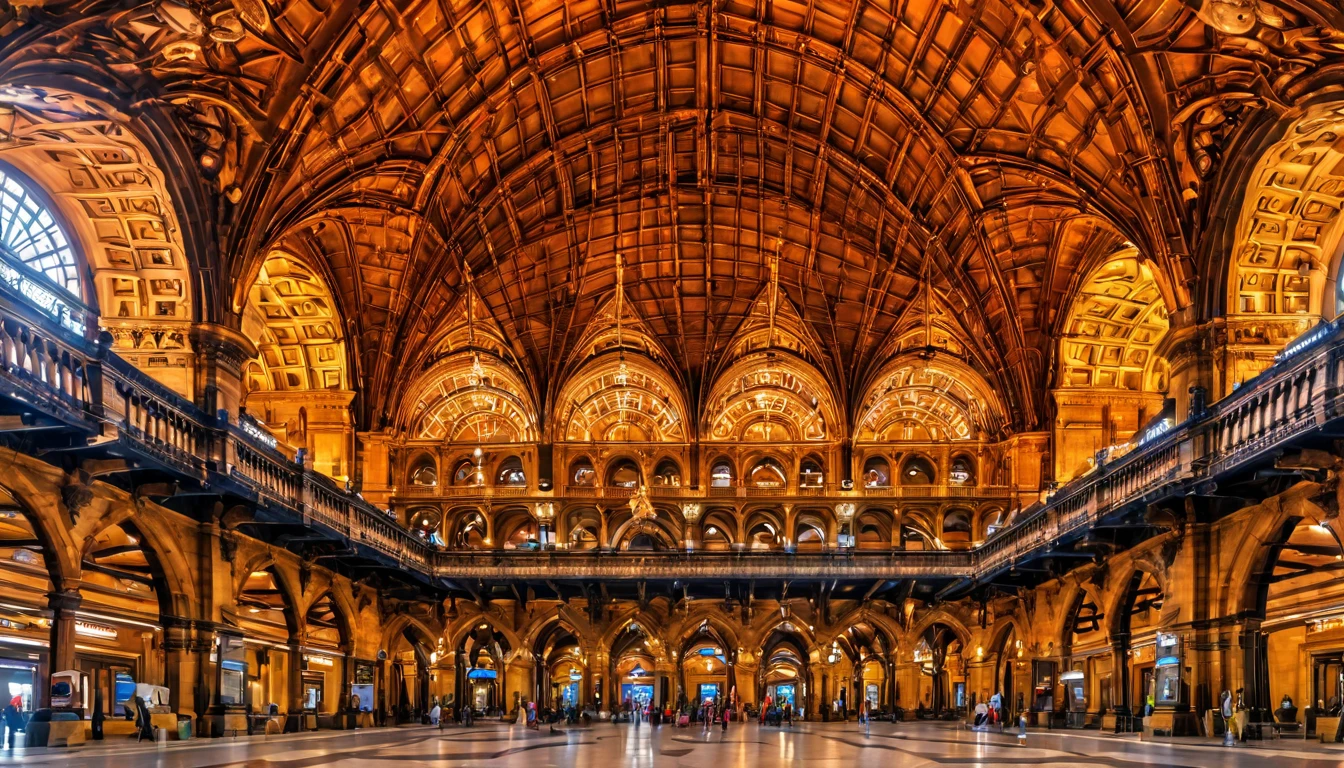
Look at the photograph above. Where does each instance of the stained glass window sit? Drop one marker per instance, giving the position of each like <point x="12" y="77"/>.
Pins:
<point x="30" y="232"/>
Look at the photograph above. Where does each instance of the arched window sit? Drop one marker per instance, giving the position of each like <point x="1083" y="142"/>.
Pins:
<point x="623" y="474"/>
<point x="465" y="474"/>
<point x="511" y="473"/>
<point x="876" y="473"/>
<point x="767" y="474"/>
<point x="424" y="475"/>
<point x="721" y="475"/>
<point x="962" y="471"/>
<point x="810" y="474"/>
<point x="425" y="524"/>
<point x="667" y="473"/>
<point x="581" y="473"/>
<point x="957" y="528"/>
<point x="917" y="470"/>
<point x="30" y="233"/>
<point x="583" y="537"/>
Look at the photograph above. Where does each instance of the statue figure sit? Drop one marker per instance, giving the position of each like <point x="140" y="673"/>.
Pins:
<point x="640" y="506"/>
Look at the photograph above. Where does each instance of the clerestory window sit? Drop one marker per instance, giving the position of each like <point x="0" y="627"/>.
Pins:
<point x="30" y="233"/>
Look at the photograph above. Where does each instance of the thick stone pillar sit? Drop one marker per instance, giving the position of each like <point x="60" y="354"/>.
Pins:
<point x="745" y="678"/>
<point x="1121" y="696"/>
<point x="294" y="720"/>
<point x="1256" y="695"/>
<point x="61" y="656"/>
<point x="1187" y="349"/>
<point x="181" y="672"/>
<point x="220" y="355"/>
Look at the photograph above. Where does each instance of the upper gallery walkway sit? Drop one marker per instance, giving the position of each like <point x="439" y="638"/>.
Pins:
<point x="81" y="398"/>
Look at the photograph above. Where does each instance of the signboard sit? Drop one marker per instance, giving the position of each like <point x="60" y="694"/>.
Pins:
<point x="363" y="673"/>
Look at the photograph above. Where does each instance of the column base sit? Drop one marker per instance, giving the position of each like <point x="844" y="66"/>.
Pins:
<point x="224" y="720"/>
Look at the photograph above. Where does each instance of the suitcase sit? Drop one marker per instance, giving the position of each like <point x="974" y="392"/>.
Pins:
<point x="683" y="721"/>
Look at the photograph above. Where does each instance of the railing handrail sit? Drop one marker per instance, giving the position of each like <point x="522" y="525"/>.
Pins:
<point x="1278" y="404"/>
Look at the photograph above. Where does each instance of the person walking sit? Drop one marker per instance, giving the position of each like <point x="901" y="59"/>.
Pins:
<point x="727" y="713"/>
<point x="13" y="723"/>
<point x="864" y="716"/>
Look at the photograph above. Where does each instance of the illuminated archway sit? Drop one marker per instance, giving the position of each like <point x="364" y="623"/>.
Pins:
<point x="1288" y="235"/>
<point x="620" y="399"/>
<point x="298" y="384"/>
<point x="770" y="397"/>
<point x="1112" y="378"/>
<point x="916" y="400"/>
<point x="471" y="398"/>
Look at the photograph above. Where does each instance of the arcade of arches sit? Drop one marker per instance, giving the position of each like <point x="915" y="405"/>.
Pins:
<point x="360" y="357"/>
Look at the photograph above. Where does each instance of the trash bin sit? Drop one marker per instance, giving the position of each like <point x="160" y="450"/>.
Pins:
<point x="184" y="727"/>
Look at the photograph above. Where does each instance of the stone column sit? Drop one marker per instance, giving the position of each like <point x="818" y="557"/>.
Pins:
<point x="745" y="678"/>
<point x="1120" y="675"/>
<point x="61" y="655"/>
<point x="220" y="355"/>
<point x="181" y="673"/>
<point x="1190" y="362"/>
<point x="690" y="511"/>
<point x="294" y="719"/>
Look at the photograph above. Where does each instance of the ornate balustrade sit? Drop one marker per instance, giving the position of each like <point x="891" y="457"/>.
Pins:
<point x="611" y="566"/>
<point x="156" y="421"/>
<point x="59" y="374"/>
<point x="43" y="362"/>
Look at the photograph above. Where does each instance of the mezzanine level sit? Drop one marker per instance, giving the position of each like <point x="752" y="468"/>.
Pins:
<point x="79" y="397"/>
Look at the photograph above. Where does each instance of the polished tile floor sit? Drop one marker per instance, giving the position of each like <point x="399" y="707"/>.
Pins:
<point x="608" y="746"/>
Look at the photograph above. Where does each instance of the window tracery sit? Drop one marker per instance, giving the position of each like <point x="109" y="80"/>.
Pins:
<point x="31" y="233"/>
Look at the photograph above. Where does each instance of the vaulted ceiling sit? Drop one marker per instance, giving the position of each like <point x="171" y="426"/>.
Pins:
<point x="974" y="158"/>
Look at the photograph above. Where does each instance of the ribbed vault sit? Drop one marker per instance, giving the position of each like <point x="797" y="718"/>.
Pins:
<point x="983" y="152"/>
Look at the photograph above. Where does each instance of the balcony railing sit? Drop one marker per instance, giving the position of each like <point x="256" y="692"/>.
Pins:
<point x="73" y="380"/>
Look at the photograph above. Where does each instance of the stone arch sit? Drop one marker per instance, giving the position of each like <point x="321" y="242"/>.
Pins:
<point x="345" y="625"/>
<point x="541" y="629"/>
<point x="724" y="520"/>
<point x="609" y="465"/>
<point x="1118" y="607"/>
<point x="401" y="623"/>
<point x="290" y="594"/>
<point x="892" y="633"/>
<point x="763" y="515"/>
<point x="510" y="521"/>
<point x="113" y="172"/>
<point x="1244" y="587"/>
<point x="662" y="528"/>
<point x="647" y="621"/>
<point x="457" y="632"/>
<point x="59" y="552"/>
<point x="1073" y="598"/>
<point x="176" y="588"/>
<point x="784" y="624"/>
<point x="711" y="618"/>
<point x="881" y="520"/>
<point x="940" y="616"/>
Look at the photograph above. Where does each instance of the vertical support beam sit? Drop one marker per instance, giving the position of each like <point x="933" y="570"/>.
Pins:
<point x="61" y="656"/>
